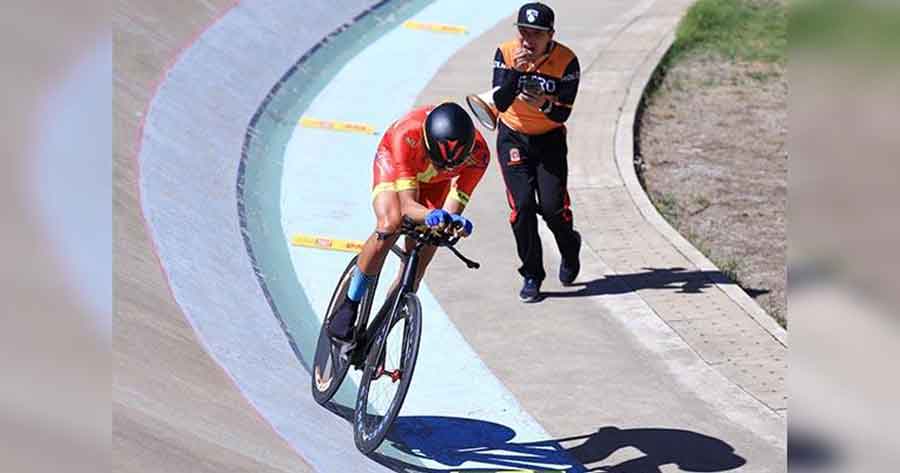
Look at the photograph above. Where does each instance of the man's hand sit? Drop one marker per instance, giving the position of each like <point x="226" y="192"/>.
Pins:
<point x="522" y="59"/>
<point x="462" y="225"/>
<point x="536" y="101"/>
<point x="437" y="218"/>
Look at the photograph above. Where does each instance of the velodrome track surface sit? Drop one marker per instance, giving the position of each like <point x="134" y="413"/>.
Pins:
<point x="607" y="379"/>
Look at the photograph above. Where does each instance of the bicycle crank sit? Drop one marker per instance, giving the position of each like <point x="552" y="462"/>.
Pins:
<point x="395" y="375"/>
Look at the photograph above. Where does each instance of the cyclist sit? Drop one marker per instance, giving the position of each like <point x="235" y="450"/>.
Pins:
<point x="426" y="167"/>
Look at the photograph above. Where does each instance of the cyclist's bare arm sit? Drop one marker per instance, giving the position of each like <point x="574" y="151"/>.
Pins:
<point x="454" y="206"/>
<point x="410" y="207"/>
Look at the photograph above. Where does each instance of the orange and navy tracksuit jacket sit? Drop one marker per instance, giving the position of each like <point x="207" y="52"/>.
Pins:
<point x="558" y="72"/>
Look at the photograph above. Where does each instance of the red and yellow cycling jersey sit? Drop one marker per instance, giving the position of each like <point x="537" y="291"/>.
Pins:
<point x="402" y="162"/>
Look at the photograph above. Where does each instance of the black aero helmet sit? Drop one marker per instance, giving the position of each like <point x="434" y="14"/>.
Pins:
<point x="449" y="135"/>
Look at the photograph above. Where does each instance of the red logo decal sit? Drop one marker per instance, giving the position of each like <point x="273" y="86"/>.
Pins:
<point x="514" y="157"/>
<point x="451" y="150"/>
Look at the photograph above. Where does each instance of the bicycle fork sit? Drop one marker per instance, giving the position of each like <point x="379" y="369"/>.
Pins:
<point x="408" y="281"/>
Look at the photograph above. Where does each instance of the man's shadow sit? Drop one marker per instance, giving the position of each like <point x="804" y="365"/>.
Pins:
<point x="689" y="451"/>
<point x="678" y="279"/>
<point x="452" y="442"/>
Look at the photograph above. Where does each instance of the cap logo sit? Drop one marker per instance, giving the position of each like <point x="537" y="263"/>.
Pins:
<point x="532" y="15"/>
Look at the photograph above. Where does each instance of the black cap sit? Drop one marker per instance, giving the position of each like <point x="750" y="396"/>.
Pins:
<point x="535" y="15"/>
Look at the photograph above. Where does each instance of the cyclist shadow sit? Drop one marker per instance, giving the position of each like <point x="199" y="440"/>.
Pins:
<point x="680" y="279"/>
<point x="452" y="442"/>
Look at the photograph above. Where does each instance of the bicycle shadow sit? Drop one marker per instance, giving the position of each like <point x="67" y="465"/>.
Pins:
<point x="447" y="444"/>
<point x="679" y="279"/>
<point x="341" y="410"/>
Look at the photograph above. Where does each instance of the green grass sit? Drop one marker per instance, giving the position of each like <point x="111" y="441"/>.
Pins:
<point x="866" y="30"/>
<point x="667" y="207"/>
<point x="731" y="268"/>
<point x="736" y="29"/>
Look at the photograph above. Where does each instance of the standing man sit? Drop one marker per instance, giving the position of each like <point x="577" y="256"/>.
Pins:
<point x="535" y="83"/>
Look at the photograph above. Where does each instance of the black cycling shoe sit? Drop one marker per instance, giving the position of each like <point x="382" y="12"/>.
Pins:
<point x="531" y="291"/>
<point x="340" y="327"/>
<point x="568" y="270"/>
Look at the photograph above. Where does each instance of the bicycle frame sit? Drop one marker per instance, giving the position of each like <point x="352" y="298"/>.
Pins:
<point x="410" y="262"/>
<point x="367" y="351"/>
<point x="334" y="357"/>
<point x="410" y="266"/>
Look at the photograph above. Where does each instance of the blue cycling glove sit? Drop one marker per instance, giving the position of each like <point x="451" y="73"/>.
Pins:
<point x="437" y="217"/>
<point x="463" y="223"/>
